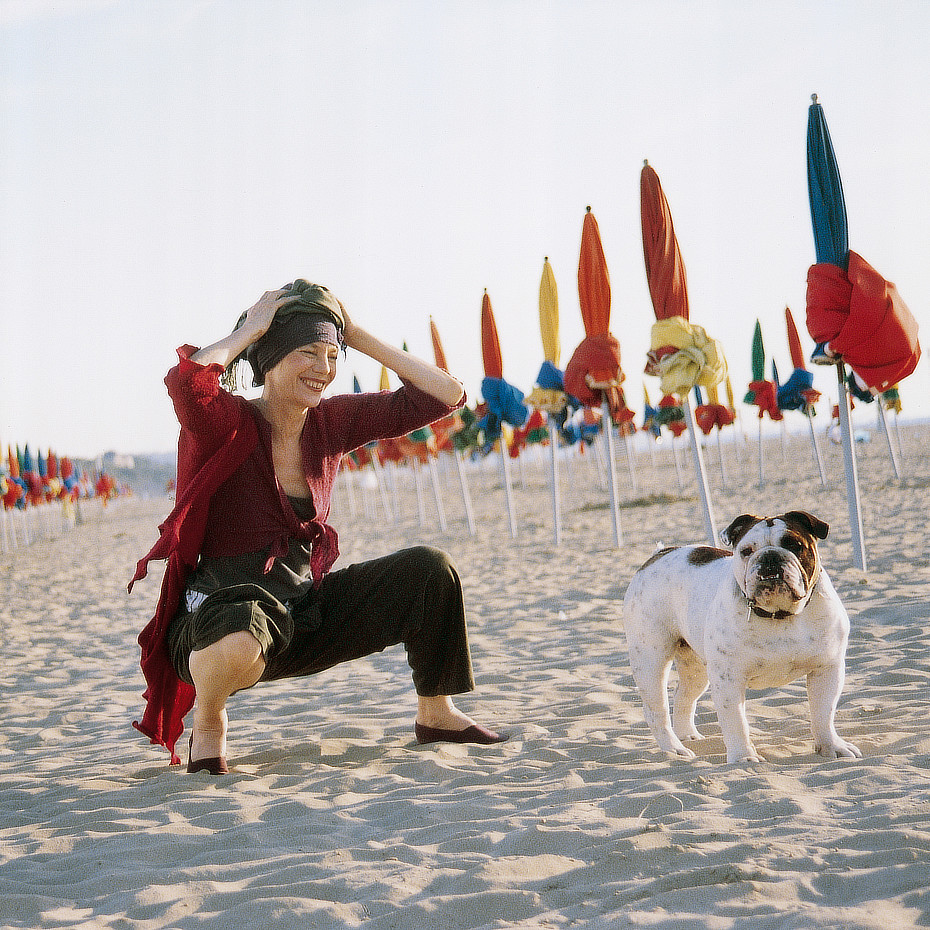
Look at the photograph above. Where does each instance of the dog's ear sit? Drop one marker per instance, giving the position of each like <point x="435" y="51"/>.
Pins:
<point x="808" y="522"/>
<point x="737" y="529"/>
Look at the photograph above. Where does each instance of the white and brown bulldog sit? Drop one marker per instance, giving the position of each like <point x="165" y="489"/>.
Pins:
<point x="760" y="616"/>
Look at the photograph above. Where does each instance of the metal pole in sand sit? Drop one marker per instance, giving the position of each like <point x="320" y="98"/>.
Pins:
<point x="816" y="448"/>
<point x="852" y="476"/>
<point x="895" y="464"/>
<point x="607" y="424"/>
<point x="556" y="502"/>
<point x="437" y="494"/>
<point x="466" y="494"/>
<point x="505" y="471"/>
<point x="706" y="505"/>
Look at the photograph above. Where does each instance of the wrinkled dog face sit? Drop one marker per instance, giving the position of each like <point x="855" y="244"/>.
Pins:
<point x="776" y="562"/>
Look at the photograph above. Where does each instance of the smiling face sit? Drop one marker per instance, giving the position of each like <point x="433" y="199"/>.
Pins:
<point x="302" y="376"/>
<point x="777" y="562"/>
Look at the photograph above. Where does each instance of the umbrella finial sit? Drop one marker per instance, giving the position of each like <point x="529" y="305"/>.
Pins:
<point x="588" y="209"/>
<point x="813" y="98"/>
<point x="645" y="162"/>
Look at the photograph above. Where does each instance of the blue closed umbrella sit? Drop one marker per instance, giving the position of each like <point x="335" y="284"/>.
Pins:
<point x="825" y="189"/>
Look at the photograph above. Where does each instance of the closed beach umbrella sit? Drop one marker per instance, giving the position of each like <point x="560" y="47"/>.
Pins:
<point x="549" y="314"/>
<point x="593" y="373"/>
<point x="677" y="348"/>
<point x="505" y="402"/>
<point x="490" y="343"/>
<point x="854" y="315"/>
<point x="440" y="356"/>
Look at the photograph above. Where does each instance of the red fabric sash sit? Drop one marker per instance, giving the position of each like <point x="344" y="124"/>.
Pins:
<point x="864" y="320"/>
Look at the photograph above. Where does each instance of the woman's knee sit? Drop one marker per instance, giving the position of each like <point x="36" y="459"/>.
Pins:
<point x="236" y="658"/>
<point x="432" y="561"/>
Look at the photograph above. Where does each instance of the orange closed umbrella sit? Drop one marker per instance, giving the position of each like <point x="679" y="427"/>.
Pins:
<point x="490" y="344"/>
<point x="593" y="279"/>
<point x="437" y="346"/>
<point x="445" y="429"/>
<point x="593" y="372"/>
<point x="505" y="403"/>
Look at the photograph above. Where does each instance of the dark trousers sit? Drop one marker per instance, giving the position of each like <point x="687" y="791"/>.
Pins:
<point x="412" y="597"/>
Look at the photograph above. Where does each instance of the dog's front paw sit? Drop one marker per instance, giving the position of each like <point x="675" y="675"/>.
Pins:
<point x="839" y="748"/>
<point x="744" y="755"/>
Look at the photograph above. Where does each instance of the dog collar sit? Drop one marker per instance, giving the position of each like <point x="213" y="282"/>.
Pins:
<point x="767" y="614"/>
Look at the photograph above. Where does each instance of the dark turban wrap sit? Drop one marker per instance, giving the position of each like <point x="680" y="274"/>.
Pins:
<point x="312" y="315"/>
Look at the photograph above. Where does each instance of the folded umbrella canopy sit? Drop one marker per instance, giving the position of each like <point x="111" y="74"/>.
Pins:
<point x="593" y="373"/>
<point x="504" y="402"/>
<point x="762" y="394"/>
<point x="798" y="392"/>
<point x="680" y="353"/>
<point x="549" y="393"/>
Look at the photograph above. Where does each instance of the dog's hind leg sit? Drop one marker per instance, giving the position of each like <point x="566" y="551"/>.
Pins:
<point x="651" y="667"/>
<point x="692" y="683"/>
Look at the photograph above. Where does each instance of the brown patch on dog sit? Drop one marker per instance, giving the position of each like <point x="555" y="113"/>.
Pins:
<point x="702" y="555"/>
<point x="656" y="556"/>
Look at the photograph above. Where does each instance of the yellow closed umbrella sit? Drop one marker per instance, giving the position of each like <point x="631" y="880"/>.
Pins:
<point x="549" y="314"/>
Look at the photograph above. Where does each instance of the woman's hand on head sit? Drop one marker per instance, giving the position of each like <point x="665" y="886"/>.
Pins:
<point x="259" y="316"/>
<point x="349" y="330"/>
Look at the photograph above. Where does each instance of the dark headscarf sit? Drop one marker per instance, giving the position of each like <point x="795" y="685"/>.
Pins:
<point x="313" y="315"/>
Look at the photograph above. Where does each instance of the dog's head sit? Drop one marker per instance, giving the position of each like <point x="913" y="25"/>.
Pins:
<point x="776" y="561"/>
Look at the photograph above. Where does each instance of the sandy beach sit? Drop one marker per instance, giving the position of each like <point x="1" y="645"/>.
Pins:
<point x="333" y="816"/>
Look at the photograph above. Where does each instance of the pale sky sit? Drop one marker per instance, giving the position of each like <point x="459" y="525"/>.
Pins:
<point x="163" y="163"/>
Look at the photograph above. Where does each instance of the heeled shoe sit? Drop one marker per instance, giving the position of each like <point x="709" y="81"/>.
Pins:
<point x="473" y="734"/>
<point x="215" y="765"/>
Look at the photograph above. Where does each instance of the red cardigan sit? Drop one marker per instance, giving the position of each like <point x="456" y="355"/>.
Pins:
<point x="218" y="432"/>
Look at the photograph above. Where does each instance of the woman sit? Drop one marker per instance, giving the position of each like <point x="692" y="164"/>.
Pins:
<point x="248" y="594"/>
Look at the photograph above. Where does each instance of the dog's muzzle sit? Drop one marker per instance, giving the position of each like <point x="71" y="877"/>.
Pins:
<point x="775" y="584"/>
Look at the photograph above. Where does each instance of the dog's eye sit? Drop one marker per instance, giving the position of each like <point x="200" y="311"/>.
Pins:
<point x="747" y="551"/>
<point x="792" y="545"/>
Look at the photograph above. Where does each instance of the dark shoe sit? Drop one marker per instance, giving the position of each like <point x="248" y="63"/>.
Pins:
<point x="215" y="765"/>
<point x="821" y="355"/>
<point x="473" y="734"/>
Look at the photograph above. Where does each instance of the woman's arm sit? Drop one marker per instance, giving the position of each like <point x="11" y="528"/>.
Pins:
<point x="257" y="320"/>
<point x="428" y="378"/>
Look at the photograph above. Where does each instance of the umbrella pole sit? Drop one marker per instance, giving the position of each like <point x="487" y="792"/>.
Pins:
<point x="556" y="502"/>
<point x="852" y="477"/>
<point x="466" y="496"/>
<point x="706" y="505"/>
<point x="630" y="463"/>
<point x="897" y="433"/>
<point x="505" y="470"/>
<point x="611" y="477"/>
<point x="761" y="475"/>
<point x="437" y="494"/>
<point x="681" y="485"/>
<point x="382" y="490"/>
<point x="895" y="465"/>
<point x="723" y="471"/>
<point x="418" y="484"/>
<point x="817" y="456"/>
<point x="348" y="477"/>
